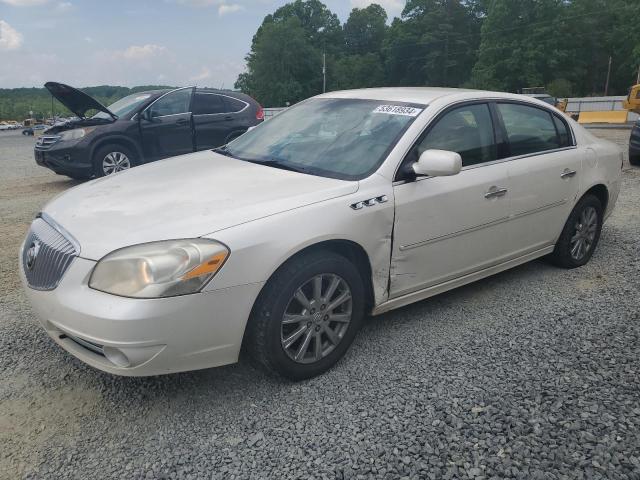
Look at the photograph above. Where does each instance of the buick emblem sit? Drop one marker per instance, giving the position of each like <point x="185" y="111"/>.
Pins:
<point x="32" y="255"/>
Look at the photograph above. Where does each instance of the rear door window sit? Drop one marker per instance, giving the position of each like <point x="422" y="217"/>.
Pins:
<point x="208" y="103"/>
<point x="529" y="129"/>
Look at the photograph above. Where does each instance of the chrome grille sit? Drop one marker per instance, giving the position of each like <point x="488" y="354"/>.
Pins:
<point x="45" y="141"/>
<point x="46" y="255"/>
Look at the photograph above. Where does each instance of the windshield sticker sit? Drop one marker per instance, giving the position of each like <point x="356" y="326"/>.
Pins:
<point x="398" y="110"/>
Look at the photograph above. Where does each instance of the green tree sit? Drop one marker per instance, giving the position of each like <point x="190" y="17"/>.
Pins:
<point x="434" y="43"/>
<point x="520" y="44"/>
<point x="365" y="30"/>
<point x="283" y="66"/>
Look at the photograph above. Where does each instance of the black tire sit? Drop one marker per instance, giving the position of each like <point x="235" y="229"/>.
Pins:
<point x="102" y="152"/>
<point x="562" y="254"/>
<point x="265" y="330"/>
<point x="634" y="158"/>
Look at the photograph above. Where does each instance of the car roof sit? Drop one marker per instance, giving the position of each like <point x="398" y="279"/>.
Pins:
<point x="421" y="95"/>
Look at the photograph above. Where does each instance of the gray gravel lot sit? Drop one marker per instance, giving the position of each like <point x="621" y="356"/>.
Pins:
<point x="531" y="374"/>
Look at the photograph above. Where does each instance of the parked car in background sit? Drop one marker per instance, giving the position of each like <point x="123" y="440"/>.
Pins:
<point x="31" y="131"/>
<point x="5" y="126"/>
<point x="141" y="128"/>
<point x="634" y="144"/>
<point x="347" y="204"/>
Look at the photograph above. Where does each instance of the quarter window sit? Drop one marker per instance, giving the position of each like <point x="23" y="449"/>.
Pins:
<point x="234" y="105"/>
<point x="208" y="103"/>
<point x="467" y="130"/>
<point x="529" y="129"/>
<point x="172" y="103"/>
<point x="563" y="132"/>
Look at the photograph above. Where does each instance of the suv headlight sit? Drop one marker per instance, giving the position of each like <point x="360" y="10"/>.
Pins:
<point x="75" y="134"/>
<point x="159" y="269"/>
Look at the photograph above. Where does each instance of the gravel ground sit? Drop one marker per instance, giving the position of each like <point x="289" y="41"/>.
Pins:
<point x="530" y="374"/>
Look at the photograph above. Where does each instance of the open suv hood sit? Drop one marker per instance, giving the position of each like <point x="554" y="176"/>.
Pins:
<point x="75" y="100"/>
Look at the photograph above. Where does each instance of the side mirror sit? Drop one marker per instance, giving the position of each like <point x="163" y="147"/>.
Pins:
<point x="145" y="115"/>
<point x="438" y="163"/>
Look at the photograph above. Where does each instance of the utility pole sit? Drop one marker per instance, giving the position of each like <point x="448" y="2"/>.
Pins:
<point x="638" y="79"/>
<point x="606" y="85"/>
<point x="324" y="72"/>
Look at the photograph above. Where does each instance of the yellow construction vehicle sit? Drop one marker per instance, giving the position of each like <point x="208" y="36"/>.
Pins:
<point x="632" y="103"/>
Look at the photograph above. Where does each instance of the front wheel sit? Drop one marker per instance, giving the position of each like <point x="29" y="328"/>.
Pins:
<point x="580" y="234"/>
<point x="306" y="316"/>
<point x="112" y="159"/>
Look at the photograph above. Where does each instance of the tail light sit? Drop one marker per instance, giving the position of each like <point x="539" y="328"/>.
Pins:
<point x="260" y="113"/>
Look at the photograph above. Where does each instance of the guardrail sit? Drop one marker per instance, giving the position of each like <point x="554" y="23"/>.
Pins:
<point x="272" y="112"/>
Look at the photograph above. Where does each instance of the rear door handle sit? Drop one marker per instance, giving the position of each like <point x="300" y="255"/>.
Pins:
<point x="228" y="117"/>
<point x="495" y="192"/>
<point x="568" y="173"/>
<point x="182" y="121"/>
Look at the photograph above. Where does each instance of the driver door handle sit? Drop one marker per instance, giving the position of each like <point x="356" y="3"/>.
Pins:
<point x="495" y="192"/>
<point x="568" y="173"/>
<point x="182" y="121"/>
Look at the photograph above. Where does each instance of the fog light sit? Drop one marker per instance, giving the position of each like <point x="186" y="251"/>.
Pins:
<point x="116" y="356"/>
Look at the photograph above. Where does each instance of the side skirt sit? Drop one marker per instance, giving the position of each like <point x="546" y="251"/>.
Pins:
<point x="458" y="282"/>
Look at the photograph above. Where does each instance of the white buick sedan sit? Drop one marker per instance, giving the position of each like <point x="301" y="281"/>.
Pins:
<point x="348" y="204"/>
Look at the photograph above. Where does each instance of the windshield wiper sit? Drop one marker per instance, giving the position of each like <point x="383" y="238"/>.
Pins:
<point x="222" y="151"/>
<point x="280" y="165"/>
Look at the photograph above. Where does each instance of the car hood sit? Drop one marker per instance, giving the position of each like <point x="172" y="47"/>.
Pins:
<point x="182" y="197"/>
<point x="75" y="100"/>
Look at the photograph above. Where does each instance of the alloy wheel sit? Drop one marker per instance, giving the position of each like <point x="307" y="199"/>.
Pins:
<point x="115" y="162"/>
<point x="316" y="318"/>
<point x="584" y="235"/>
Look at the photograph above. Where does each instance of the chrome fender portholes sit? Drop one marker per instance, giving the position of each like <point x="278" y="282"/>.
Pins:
<point x="370" y="202"/>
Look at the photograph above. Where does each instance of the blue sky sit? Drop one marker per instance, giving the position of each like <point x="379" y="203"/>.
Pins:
<point x="135" y="42"/>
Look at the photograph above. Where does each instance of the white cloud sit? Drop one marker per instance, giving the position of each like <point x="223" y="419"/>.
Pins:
<point x="88" y="39"/>
<point x="10" y="38"/>
<point x="204" y="74"/>
<point x="199" y="3"/>
<point x="24" y="3"/>
<point x="393" y="7"/>
<point x="64" y="6"/>
<point x="142" y="52"/>
<point x="224" y="9"/>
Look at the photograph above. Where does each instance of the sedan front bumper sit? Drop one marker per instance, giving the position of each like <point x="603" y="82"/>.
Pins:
<point x="140" y="337"/>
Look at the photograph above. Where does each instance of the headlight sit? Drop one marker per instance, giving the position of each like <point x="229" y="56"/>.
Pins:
<point x="75" y="134"/>
<point x="159" y="269"/>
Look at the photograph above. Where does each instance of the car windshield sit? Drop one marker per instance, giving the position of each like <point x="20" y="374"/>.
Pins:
<point x="339" y="138"/>
<point x="124" y="105"/>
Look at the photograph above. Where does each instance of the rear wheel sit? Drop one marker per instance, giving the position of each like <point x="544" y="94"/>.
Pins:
<point x="112" y="159"/>
<point x="634" y="158"/>
<point x="306" y="316"/>
<point x="580" y="235"/>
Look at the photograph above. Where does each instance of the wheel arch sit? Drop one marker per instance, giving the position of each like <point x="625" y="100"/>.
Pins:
<point x="601" y="192"/>
<point x="235" y="134"/>
<point x="349" y="249"/>
<point x="117" y="140"/>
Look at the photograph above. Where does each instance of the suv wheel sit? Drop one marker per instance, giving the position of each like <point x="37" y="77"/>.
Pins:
<point x="306" y="316"/>
<point x="112" y="159"/>
<point x="580" y="234"/>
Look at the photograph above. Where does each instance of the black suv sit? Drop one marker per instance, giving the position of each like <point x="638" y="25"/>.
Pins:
<point x="634" y="145"/>
<point x="141" y="128"/>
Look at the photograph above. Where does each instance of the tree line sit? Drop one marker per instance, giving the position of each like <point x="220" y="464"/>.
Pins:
<point x="16" y="103"/>
<point x="566" y="46"/>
